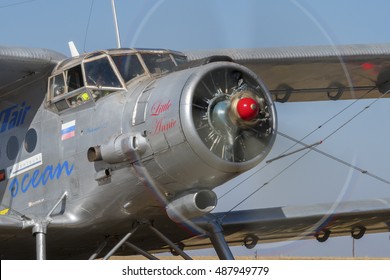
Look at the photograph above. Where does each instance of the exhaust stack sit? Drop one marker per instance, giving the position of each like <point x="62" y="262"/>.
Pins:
<point x="120" y="148"/>
<point x="192" y="205"/>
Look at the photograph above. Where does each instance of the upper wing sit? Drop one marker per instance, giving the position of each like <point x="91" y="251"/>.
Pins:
<point x="313" y="73"/>
<point x="301" y="222"/>
<point x="20" y="65"/>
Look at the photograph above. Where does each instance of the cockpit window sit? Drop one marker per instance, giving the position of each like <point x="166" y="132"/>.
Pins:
<point x="58" y="85"/>
<point x="179" y="59"/>
<point x="93" y="76"/>
<point x="129" y="66"/>
<point x="100" y="74"/>
<point x="68" y="89"/>
<point x="74" y="78"/>
<point x="158" y="63"/>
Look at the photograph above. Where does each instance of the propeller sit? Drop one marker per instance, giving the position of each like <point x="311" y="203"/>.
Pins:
<point x="232" y="114"/>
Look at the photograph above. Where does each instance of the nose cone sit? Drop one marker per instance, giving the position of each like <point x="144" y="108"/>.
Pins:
<point x="247" y="108"/>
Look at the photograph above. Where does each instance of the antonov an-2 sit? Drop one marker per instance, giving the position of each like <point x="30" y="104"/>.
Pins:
<point x="117" y="152"/>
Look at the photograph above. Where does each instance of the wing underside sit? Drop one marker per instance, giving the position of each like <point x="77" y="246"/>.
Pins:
<point x="288" y="223"/>
<point x="20" y="65"/>
<point x="301" y="222"/>
<point x="314" y="73"/>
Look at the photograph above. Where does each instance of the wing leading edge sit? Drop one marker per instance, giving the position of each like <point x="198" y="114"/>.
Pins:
<point x="313" y="73"/>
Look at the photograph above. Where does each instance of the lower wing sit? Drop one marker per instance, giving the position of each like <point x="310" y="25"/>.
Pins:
<point x="319" y="222"/>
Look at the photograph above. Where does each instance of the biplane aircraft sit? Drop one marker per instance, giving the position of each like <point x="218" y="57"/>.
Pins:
<point x="117" y="152"/>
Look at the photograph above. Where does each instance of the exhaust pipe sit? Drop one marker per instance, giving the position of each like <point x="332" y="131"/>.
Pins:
<point x="120" y="148"/>
<point x="192" y="205"/>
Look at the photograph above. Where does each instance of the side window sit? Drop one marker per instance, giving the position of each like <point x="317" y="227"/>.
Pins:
<point x="68" y="90"/>
<point x="58" y="85"/>
<point x="74" y="78"/>
<point x="30" y="140"/>
<point x="12" y="147"/>
<point x="129" y="66"/>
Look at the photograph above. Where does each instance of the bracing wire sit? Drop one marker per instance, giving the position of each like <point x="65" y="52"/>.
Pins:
<point x="263" y="185"/>
<point x="312" y="148"/>
<point x="300" y="140"/>
<point x="332" y="118"/>
<point x="363" y="171"/>
<point x="17" y="4"/>
<point x="356" y="115"/>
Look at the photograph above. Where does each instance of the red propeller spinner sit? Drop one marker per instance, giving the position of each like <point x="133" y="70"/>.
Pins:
<point x="247" y="108"/>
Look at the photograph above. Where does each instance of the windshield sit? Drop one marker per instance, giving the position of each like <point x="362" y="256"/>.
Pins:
<point x="158" y="63"/>
<point x="179" y="59"/>
<point x="128" y="66"/>
<point x="99" y="73"/>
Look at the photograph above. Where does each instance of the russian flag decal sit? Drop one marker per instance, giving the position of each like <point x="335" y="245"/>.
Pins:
<point x="68" y="130"/>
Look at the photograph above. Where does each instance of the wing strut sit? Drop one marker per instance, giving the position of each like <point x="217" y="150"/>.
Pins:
<point x="39" y="232"/>
<point x="170" y="243"/>
<point x="120" y="243"/>
<point x="40" y="229"/>
<point x="215" y="232"/>
<point x="140" y="251"/>
<point x="98" y="250"/>
<point x="174" y="248"/>
<point x="218" y="240"/>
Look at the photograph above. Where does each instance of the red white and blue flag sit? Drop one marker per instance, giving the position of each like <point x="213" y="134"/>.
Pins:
<point x="68" y="130"/>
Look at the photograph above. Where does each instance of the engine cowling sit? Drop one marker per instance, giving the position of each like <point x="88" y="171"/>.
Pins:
<point x="229" y="116"/>
<point x="194" y="129"/>
<point x="204" y="125"/>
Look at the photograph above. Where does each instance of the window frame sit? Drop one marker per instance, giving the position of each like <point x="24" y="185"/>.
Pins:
<point x="140" y="60"/>
<point x="113" y="67"/>
<point x="65" y="97"/>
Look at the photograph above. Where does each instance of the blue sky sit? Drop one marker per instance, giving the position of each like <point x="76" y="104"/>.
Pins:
<point x="205" y="24"/>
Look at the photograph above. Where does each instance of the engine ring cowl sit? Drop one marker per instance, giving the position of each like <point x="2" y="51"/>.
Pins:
<point x="211" y="124"/>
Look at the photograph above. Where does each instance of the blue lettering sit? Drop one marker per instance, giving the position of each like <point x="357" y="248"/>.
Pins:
<point x="4" y="118"/>
<point x="13" y="116"/>
<point x="14" y="188"/>
<point x="68" y="170"/>
<point x="35" y="183"/>
<point x="24" y="187"/>
<point x="47" y="174"/>
<point x="37" y="178"/>
<point x="13" y="121"/>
